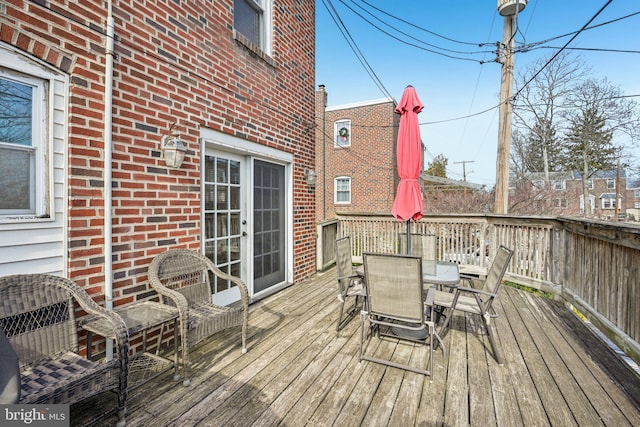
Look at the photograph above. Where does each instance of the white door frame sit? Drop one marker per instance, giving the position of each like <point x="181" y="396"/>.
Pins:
<point x="211" y="140"/>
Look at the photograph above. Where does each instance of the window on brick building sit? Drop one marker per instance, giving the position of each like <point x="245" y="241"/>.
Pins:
<point x="342" y="133"/>
<point x="611" y="184"/>
<point x="608" y="201"/>
<point x="636" y="194"/>
<point x="252" y="19"/>
<point x="590" y="184"/>
<point x="559" y="185"/>
<point x="342" y="190"/>
<point x="24" y="146"/>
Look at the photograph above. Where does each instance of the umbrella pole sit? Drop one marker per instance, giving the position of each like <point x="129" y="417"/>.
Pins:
<point x="408" y="237"/>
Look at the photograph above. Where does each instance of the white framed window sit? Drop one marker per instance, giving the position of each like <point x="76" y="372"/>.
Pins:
<point x="342" y="190"/>
<point x="636" y="205"/>
<point x="590" y="184"/>
<point x="608" y="203"/>
<point x="636" y="194"/>
<point x="342" y="133"/>
<point x="253" y="19"/>
<point x="24" y="145"/>
<point x="559" y="185"/>
<point x="611" y="184"/>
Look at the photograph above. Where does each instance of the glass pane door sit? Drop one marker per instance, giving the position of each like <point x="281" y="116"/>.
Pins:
<point x="269" y="246"/>
<point x="222" y="216"/>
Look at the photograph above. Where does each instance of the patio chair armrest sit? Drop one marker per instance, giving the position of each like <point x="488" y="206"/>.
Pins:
<point x="473" y="291"/>
<point x="116" y="324"/>
<point x="179" y="300"/>
<point x="431" y="296"/>
<point x="350" y="276"/>
<point x="471" y="279"/>
<point x="242" y="287"/>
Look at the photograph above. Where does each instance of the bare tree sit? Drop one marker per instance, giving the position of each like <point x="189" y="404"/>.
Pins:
<point x="536" y="111"/>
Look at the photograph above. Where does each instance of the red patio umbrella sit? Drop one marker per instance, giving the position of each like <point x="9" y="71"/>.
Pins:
<point x="408" y="202"/>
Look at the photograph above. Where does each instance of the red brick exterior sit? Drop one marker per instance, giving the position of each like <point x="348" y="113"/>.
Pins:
<point x="370" y="161"/>
<point x="175" y="62"/>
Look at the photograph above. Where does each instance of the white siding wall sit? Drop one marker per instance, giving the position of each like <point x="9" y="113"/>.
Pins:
<point x="34" y="245"/>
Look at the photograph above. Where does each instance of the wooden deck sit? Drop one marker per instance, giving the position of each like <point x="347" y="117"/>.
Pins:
<point x="298" y="371"/>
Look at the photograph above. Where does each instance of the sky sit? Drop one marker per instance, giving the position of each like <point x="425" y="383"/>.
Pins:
<point x="446" y="50"/>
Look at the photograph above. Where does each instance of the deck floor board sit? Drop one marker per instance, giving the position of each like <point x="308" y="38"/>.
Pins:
<point x="300" y="372"/>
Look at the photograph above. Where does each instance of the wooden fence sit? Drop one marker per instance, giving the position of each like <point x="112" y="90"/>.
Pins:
<point x="592" y="265"/>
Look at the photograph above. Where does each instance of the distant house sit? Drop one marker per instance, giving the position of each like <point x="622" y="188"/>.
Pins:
<point x="232" y="80"/>
<point x="563" y="193"/>
<point x="355" y="157"/>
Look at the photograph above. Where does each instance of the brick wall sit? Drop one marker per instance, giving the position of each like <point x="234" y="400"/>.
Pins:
<point x="369" y="161"/>
<point x="176" y="62"/>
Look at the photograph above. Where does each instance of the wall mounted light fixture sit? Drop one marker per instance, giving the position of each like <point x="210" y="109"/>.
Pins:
<point x="173" y="150"/>
<point x="310" y="175"/>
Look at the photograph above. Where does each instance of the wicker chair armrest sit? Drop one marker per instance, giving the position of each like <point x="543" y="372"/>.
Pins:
<point x="176" y="297"/>
<point x="120" y="330"/>
<point x="179" y="300"/>
<point x="242" y="287"/>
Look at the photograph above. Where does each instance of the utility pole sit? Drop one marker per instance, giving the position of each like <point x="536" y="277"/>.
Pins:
<point x="615" y="195"/>
<point x="509" y="9"/>
<point x="464" y="171"/>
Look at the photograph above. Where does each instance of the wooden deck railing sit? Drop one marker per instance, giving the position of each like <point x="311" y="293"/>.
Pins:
<point x="592" y="265"/>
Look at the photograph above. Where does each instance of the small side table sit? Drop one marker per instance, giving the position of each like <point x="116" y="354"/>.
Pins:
<point x="139" y="318"/>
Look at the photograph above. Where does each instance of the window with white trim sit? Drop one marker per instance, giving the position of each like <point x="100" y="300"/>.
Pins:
<point x="253" y="19"/>
<point x="590" y="184"/>
<point x="342" y="190"/>
<point x="23" y="145"/>
<point x="636" y="194"/>
<point x="608" y="202"/>
<point x="342" y="133"/>
<point x="559" y="185"/>
<point x="611" y="184"/>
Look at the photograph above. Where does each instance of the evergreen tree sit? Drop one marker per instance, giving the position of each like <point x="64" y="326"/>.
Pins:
<point x="588" y="148"/>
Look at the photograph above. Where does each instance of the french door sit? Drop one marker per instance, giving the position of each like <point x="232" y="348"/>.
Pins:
<point x="245" y="223"/>
<point x="269" y="246"/>
<point x="223" y="221"/>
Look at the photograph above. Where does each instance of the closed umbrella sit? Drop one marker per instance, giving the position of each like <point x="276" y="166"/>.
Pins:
<point x="408" y="202"/>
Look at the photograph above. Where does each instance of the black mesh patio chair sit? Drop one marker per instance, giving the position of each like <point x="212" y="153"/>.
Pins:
<point x="350" y="283"/>
<point x="477" y="299"/>
<point x="396" y="306"/>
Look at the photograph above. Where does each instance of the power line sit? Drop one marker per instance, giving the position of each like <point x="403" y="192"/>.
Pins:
<point x="575" y="35"/>
<point x="411" y="37"/>
<point x="354" y="47"/>
<point x="419" y="27"/>
<point x="530" y="46"/>
<point x="589" y="49"/>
